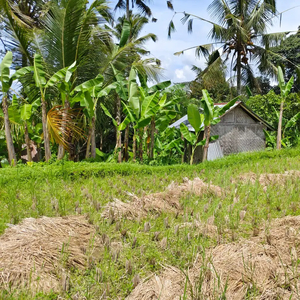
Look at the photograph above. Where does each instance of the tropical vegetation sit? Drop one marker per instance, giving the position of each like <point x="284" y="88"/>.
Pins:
<point x="84" y="86"/>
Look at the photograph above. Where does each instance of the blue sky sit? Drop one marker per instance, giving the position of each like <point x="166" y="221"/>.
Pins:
<point x="178" y="69"/>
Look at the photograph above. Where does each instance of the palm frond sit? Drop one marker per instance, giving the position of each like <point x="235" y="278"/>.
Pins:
<point x="63" y="124"/>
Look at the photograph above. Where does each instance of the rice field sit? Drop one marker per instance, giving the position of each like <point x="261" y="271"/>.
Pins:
<point x="226" y="229"/>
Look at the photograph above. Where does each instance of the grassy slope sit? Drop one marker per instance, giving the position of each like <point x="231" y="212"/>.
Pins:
<point x="53" y="190"/>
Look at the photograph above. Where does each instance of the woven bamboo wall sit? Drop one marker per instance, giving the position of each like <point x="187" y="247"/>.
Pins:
<point x="239" y="132"/>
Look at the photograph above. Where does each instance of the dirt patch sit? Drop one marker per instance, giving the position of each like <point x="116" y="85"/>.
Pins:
<point x="268" y="179"/>
<point x="37" y="252"/>
<point x="158" y="202"/>
<point x="263" y="267"/>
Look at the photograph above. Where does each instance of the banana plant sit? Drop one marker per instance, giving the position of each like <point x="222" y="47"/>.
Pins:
<point x="88" y="94"/>
<point x="287" y="134"/>
<point x="212" y="116"/>
<point x="285" y="89"/>
<point x="196" y="119"/>
<point x="5" y="86"/>
<point x="6" y="83"/>
<point x="21" y="115"/>
<point x="39" y="75"/>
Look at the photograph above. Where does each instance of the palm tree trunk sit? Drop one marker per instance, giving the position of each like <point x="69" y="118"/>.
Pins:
<point x="27" y="141"/>
<point x="93" y="138"/>
<point x="205" y="148"/>
<point x="9" y="141"/>
<point x="279" y="126"/>
<point x="45" y="130"/>
<point x="239" y="73"/>
<point x="127" y="10"/>
<point x="152" y="137"/>
<point x="61" y="149"/>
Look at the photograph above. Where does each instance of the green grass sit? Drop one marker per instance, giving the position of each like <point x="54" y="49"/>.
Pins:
<point x="54" y="190"/>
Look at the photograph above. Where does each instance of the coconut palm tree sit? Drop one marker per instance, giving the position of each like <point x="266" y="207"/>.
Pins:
<point x="239" y="35"/>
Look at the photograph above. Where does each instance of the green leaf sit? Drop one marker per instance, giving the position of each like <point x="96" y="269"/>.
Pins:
<point x="14" y="114"/>
<point x="36" y="104"/>
<point x="227" y="106"/>
<point x="22" y="72"/>
<point x="39" y="74"/>
<point x="87" y="102"/>
<point x="4" y="72"/>
<point x="104" y="92"/>
<point x="88" y="85"/>
<point x="26" y="112"/>
<point x="122" y="84"/>
<point x="57" y="77"/>
<point x="249" y="93"/>
<point x="150" y="105"/>
<point x="128" y="113"/>
<point x="100" y="153"/>
<point x="160" y="86"/>
<point x="143" y="122"/>
<point x="194" y="117"/>
<point x="292" y="121"/>
<point x="162" y="101"/>
<point x="281" y="81"/>
<point x="70" y="71"/>
<point x="15" y="101"/>
<point x="189" y="136"/>
<point x="201" y="143"/>
<point x="208" y="107"/>
<point x="134" y="101"/>
<point x="124" y="124"/>
<point x="289" y="86"/>
<point x="125" y="34"/>
<point x="109" y="115"/>
<point x="213" y="138"/>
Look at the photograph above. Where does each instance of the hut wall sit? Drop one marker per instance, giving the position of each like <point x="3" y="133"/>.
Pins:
<point x="239" y="132"/>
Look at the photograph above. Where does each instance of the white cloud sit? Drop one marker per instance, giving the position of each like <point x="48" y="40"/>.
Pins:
<point x="184" y="74"/>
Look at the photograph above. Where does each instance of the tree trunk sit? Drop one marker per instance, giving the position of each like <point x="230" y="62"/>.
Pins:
<point x="141" y="133"/>
<point x="127" y="10"/>
<point x="279" y="127"/>
<point x="93" y="138"/>
<point x="9" y="140"/>
<point x="101" y="141"/>
<point x="152" y="137"/>
<point x="27" y="141"/>
<point x="239" y="73"/>
<point x="45" y="131"/>
<point x="88" y="144"/>
<point x="61" y="149"/>
<point x="118" y="132"/>
<point x="184" y="149"/>
<point x="126" y="142"/>
<point x="205" y="148"/>
<point x="134" y="146"/>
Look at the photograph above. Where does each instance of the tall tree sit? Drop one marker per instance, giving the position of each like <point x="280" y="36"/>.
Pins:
<point x="287" y="56"/>
<point x="239" y="35"/>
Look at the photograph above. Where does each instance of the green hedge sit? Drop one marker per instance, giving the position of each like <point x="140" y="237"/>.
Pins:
<point x="71" y="171"/>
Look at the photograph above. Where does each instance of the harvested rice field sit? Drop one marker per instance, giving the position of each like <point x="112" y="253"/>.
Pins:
<point x="227" y="229"/>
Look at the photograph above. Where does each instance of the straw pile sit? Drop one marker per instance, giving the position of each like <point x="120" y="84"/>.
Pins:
<point x="169" y="200"/>
<point x="264" y="267"/>
<point x="268" y="179"/>
<point x="35" y="253"/>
